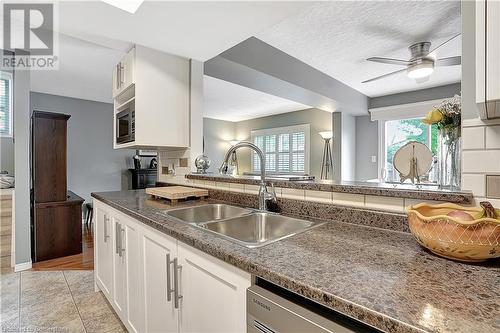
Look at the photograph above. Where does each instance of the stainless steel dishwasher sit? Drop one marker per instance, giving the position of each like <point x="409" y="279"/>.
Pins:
<point x="281" y="311"/>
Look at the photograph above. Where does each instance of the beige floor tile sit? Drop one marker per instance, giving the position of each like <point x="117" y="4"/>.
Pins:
<point x="91" y="305"/>
<point x="51" y="316"/>
<point x="43" y="287"/>
<point x="55" y="302"/>
<point x="105" y="322"/>
<point x="80" y="282"/>
<point x="9" y="293"/>
<point x="9" y="322"/>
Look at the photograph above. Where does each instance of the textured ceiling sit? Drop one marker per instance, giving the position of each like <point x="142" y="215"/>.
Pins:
<point x="228" y="101"/>
<point x="337" y="37"/>
<point x="192" y="29"/>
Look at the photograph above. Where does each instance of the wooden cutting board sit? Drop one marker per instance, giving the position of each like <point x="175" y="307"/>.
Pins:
<point x="175" y="193"/>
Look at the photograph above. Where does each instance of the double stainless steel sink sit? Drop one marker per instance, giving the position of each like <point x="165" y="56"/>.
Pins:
<point x="248" y="227"/>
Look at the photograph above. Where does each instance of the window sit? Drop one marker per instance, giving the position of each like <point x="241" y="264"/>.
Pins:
<point x="400" y="132"/>
<point x="286" y="149"/>
<point x="5" y="104"/>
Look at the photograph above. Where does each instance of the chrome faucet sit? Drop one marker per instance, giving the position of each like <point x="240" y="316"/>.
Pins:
<point x="264" y="194"/>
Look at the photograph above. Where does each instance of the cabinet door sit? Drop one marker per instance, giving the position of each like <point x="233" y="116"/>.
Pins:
<point x="119" y="269"/>
<point x="131" y="251"/>
<point x="127" y="70"/>
<point x="213" y="293"/>
<point x="103" y="255"/>
<point x="116" y="82"/>
<point x="159" y="252"/>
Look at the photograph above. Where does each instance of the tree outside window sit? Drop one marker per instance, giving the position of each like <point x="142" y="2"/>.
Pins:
<point x="400" y="132"/>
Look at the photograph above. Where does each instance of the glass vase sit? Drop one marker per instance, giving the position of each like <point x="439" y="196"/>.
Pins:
<point x="449" y="151"/>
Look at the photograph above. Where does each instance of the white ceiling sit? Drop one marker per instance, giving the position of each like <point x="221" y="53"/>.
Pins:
<point x="337" y="37"/>
<point x="94" y="35"/>
<point x="85" y="71"/>
<point x="228" y="101"/>
<point x="198" y="30"/>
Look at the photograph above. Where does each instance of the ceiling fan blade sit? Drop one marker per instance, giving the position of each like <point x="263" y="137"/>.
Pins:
<point x="385" y="75"/>
<point x="448" y="40"/>
<point x="389" y="61"/>
<point x="450" y="61"/>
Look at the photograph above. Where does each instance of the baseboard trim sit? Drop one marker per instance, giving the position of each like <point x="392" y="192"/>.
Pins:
<point x="23" y="266"/>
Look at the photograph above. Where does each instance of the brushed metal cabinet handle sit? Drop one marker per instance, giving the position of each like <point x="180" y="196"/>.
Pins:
<point x="117" y="238"/>
<point x="106" y="220"/>
<point x="169" y="280"/>
<point x="118" y="76"/>
<point x="177" y="295"/>
<point x="122" y="236"/>
<point x="122" y="74"/>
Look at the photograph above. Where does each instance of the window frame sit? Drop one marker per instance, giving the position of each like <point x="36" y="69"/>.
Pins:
<point x="8" y="76"/>
<point x="306" y="128"/>
<point x="382" y="145"/>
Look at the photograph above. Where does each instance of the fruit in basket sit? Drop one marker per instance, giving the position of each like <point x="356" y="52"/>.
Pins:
<point x="461" y="215"/>
<point x="488" y="211"/>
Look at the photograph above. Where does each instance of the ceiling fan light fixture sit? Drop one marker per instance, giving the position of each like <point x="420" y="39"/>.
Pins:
<point x="421" y="70"/>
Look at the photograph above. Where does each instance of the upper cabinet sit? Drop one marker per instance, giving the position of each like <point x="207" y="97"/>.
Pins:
<point x="151" y="100"/>
<point x="123" y="73"/>
<point x="488" y="58"/>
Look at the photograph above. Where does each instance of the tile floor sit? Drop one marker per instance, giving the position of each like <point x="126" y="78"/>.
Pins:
<point x="57" y="301"/>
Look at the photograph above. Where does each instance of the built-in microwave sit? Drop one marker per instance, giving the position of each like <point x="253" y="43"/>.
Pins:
<point x="125" y="126"/>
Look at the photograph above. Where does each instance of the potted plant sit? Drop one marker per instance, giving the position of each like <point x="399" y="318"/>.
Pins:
<point x="447" y="117"/>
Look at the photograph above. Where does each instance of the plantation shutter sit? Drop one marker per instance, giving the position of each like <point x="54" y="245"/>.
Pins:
<point x="5" y="100"/>
<point x="285" y="149"/>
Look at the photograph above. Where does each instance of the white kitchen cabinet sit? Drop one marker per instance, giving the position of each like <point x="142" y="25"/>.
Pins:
<point x="134" y="291"/>
<point x="123" y="73"/>
<point x="488" y="58"/>
<point x="103" y="255"/>
<point x="125" y="282"/>
<point x="213" y="293"/>
<point x="156" y="87"/>
<point x="160" y="313"/>
<point x="119" y="268"/>
<point x="206" y="294"/>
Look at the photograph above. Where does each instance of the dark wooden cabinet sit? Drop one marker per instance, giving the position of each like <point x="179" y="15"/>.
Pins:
<point x="56" y="227"/>
<point x="49" y="156"/>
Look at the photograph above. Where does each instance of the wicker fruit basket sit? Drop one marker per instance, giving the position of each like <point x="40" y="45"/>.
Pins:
<point x="475" y="238"/>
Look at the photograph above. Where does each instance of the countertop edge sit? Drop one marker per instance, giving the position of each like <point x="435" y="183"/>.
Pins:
<point x="460" y="197"/>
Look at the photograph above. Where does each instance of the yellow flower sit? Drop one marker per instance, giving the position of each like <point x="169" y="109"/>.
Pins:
<point x="433" y="117"/>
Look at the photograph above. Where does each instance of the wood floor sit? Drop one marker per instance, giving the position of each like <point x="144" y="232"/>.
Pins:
<point x="82" y="261"/>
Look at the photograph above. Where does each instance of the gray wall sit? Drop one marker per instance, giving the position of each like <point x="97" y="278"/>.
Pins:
<point x="217" y="132"/>
<point x="366" y="147"/>
<point x="421" y="95"/>
<point x="7" y="155"/>
<point x="469" y="107"/>
<point x="93" y="164"/>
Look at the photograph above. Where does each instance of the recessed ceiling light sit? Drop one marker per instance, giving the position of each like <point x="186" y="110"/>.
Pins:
<point x="130" y="6"/>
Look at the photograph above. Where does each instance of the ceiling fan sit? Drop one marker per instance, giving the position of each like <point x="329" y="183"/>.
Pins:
<point x="421" y="64"/>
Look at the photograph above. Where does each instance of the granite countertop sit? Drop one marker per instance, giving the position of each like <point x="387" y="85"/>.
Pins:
<point x="422" y="192"/>
<point x="377" y="276"/>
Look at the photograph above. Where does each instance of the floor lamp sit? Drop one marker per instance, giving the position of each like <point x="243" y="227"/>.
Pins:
<point x="327" y="164"/>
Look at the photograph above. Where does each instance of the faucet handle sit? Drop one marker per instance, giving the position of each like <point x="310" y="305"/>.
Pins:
<point x="273" y="192"/>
